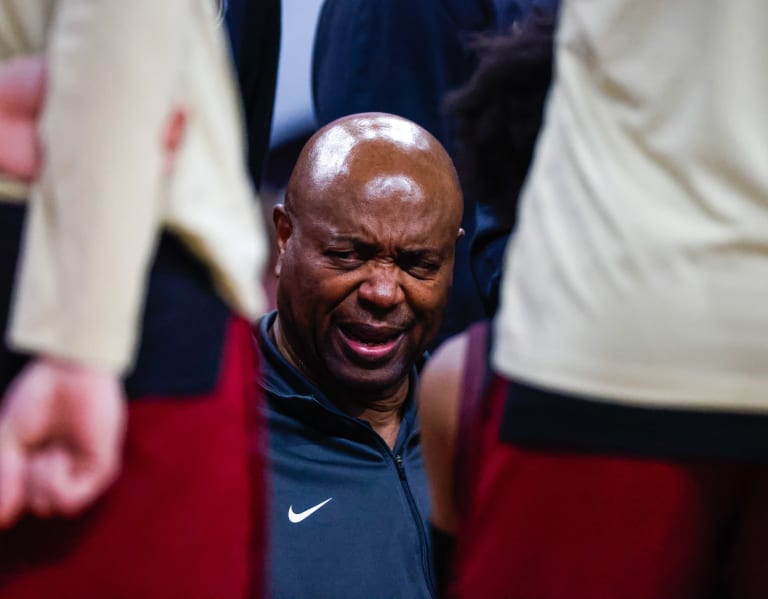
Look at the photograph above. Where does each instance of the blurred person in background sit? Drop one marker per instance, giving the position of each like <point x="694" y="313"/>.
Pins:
<point x="497" y="115"/>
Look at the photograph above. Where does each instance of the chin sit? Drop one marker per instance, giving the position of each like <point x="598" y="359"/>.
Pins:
<point x="366" y="381"/>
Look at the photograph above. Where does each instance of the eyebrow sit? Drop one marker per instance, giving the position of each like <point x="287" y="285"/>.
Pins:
<point x="347" y="239"/>
<point x="417" y="252"/>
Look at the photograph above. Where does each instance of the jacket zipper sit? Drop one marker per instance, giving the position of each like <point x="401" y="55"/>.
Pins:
<point x="425" y="561"/>
<point x="400" y="467"/>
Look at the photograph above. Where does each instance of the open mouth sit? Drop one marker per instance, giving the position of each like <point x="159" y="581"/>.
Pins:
<point x="370" y="342"/>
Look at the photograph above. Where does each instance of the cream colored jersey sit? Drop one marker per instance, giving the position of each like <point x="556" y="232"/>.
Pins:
<point x="639" y="271"/>
<point x="117" y="69"/>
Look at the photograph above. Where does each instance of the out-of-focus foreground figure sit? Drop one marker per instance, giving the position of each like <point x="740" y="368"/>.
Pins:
<point x="136" y="275"/>
<point x="619" y="447"/>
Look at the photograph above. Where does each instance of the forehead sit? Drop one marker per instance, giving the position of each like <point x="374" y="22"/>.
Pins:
<point x="388" y="172"/>
<point x="387" y="209"/>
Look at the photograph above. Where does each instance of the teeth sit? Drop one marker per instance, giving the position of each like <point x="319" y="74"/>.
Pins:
<point x="365" y="342"/>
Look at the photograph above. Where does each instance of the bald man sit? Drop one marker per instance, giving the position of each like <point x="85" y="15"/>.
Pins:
<point x="366" y="243"/>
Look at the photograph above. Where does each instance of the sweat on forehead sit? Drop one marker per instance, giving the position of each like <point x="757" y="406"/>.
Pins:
<point x="368" y="145"/>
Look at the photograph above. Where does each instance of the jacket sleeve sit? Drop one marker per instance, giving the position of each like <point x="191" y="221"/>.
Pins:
<point x="95" y="213"/>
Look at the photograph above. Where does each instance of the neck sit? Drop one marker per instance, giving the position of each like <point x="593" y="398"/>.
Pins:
<point x="384" y="414"/>
<point x="383" y="411"/>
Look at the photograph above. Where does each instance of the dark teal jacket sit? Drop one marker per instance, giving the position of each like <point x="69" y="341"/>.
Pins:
<point x="348" y="516"/>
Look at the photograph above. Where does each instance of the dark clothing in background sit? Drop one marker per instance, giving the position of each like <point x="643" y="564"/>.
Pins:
<point x="254" y="32"/>
<point x="11" y="227"/>
<point x="487" y="250"/>
<point x="394" y="56"/>
<point x="233" y="18"/>
<point x="503" y="119"/>
<point x="509" y="11"/>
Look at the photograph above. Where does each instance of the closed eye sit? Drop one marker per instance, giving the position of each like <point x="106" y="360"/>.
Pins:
<point x="418" y="264"/>
<point x="350" y="257"/>
<point x="343" y="254"/>
<point x="344" y="259"/>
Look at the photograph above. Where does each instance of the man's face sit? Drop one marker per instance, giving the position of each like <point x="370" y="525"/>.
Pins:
<point x="364" y="271"/>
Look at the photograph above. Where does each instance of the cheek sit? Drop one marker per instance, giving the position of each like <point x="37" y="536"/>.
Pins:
<point x="300" y="269"/>
<point x="428" y="298"/>
<point x="298" y="286"/>
<point x="316" y="289"/>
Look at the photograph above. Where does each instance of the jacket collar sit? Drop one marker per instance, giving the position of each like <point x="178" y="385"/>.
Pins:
<point x="282" y="380"/>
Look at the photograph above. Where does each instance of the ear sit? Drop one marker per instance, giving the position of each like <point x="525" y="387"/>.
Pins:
<point x="283" y="230"/>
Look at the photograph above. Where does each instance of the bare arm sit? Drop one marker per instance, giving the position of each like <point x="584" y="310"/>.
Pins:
<point x="112" y="68"/>
<point x="439" y="398"/>
<point x="22" y="85"/>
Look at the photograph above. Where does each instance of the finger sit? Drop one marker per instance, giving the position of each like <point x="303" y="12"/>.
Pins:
<point x="42" y="469"/>
<point x="12" y="479"/>
<point x="72" y="484"/>
<point x="39" y="502"/>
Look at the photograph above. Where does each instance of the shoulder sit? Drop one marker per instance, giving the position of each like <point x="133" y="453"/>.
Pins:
<point x="441" y="377"/>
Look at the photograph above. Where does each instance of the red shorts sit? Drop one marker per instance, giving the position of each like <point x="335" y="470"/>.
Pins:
<point x="185" y="518"/>
<point x="548" y="525"/>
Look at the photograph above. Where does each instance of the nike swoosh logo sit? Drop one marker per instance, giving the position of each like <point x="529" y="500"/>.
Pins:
<point x="301" y="516"/>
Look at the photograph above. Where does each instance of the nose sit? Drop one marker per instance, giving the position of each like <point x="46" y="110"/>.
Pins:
<point x="381" y="288"/>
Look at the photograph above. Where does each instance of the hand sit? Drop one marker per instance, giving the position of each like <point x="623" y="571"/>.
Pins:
<point x="61" y="434"/>
<point x="22" y="89"/>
